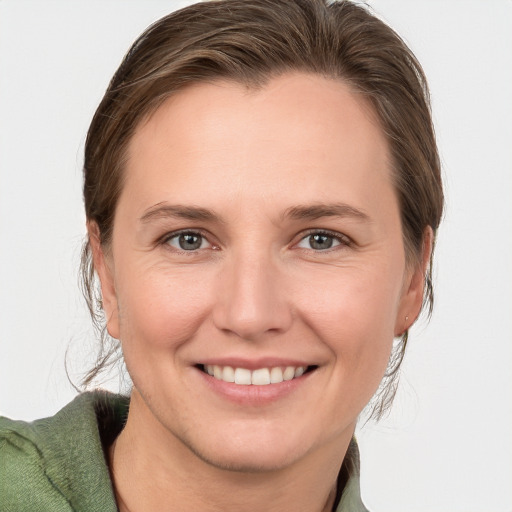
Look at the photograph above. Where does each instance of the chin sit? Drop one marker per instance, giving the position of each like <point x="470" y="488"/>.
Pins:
<point x="246" y="446"/>
<point x="230" y="457"/>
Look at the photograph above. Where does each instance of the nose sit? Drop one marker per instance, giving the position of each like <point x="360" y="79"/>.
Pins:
<point x="252" y="302"/>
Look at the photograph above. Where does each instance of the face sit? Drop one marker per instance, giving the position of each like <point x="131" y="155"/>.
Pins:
<point x="257" y="238"/>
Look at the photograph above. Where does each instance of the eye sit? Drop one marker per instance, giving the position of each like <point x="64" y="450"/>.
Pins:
<point x="320" y="241"/>
<point x="187" y="241"/>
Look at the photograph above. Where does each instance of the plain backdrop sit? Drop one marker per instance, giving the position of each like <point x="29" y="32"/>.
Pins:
<point x="447" y="445"/>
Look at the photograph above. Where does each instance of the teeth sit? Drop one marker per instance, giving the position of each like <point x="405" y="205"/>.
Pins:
<point x="289" y="373"/>
<point x="228" y="374"/>
<point x="299" y="371"/>
<point x="242" y="376"/>
<point x="259" y="377"/>
<point x="276" y="375"/>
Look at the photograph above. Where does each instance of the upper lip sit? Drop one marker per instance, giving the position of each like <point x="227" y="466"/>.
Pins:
<point x="254" y="364"/>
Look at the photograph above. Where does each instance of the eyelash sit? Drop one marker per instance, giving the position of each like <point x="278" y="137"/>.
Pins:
<point x="343" y="240"/>
<point x="175" y="234"/>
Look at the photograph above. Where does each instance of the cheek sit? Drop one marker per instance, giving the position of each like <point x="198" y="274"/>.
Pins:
<point x="353" y="313"/>
<point x="358" y="329"/>
<point x="159" y="310"/>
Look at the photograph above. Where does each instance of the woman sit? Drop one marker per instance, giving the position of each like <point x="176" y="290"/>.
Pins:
<point x="262" y="192"/>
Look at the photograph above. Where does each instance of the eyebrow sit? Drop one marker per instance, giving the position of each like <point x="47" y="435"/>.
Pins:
<point x="317" y="211"/>
<point x="300" y="212"/>
<point x="164" y="211"/>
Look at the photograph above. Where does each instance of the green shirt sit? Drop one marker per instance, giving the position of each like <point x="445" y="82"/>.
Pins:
<point x="58" y="464"/>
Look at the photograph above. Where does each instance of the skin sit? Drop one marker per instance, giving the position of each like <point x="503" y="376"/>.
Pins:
<point x="262" y="162"/>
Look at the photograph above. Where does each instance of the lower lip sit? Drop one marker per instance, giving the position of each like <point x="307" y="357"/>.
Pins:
<point x="252" y="394"/>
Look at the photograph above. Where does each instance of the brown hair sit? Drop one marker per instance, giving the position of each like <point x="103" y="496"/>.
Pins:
<point x="250" y="42"/>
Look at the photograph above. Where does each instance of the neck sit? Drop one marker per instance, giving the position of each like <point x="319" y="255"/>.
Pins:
<point x="156" y="471"/>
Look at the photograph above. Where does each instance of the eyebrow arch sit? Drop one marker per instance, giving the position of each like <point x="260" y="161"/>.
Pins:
<point x="300" y="212"/>
<point x="176" y="211"/>
<point x="317" y="211"/>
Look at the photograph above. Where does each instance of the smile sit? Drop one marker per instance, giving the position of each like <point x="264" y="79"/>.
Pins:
<point x="257" y="377"/>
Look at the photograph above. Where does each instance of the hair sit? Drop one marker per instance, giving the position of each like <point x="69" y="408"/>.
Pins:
<point x="250" y="42"/>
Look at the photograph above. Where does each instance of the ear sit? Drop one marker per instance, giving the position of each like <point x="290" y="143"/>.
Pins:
<point x="103" y="266"/>
<point x="414" y="285"/>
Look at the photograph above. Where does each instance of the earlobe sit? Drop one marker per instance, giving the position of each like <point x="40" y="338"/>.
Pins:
<point x="412" y="297"/>
<point x="103" y="268"/>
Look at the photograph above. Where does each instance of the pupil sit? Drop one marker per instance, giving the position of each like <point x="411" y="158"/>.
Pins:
<point x="320" y="241"/>
<point x="190" y="242"/>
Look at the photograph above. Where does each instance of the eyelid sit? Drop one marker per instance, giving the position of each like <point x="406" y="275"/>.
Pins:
<point x="343" y="239"/>
<point x="163" y="240"/>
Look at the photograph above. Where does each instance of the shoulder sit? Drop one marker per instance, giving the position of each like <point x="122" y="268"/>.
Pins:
<point x="23" y="480"/>
<point x="58" y="463"/>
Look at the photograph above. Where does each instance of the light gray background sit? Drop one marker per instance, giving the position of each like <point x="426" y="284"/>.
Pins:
<point x="447" y="445"/>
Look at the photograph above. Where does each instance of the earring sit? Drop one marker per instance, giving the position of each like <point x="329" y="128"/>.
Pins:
<point x="406" y="323"/>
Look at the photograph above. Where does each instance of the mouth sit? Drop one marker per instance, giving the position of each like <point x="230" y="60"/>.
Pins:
<point x="257" y="377"/>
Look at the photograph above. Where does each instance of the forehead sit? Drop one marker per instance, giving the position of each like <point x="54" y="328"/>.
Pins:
<point x="307" y="133"/>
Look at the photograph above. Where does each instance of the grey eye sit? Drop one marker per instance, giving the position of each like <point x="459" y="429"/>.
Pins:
<point x="319" y="242"/>
<point x="188" y="241"/>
